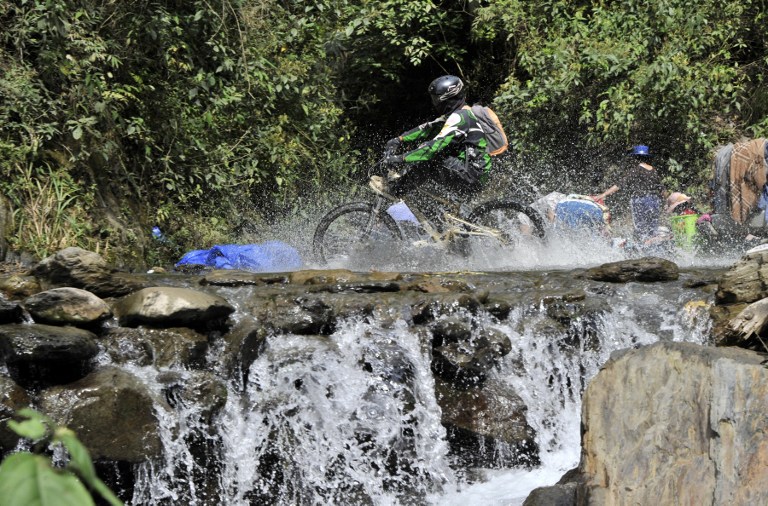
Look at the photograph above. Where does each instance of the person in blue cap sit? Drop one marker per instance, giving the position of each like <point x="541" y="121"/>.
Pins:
<point x="643" y="185"/>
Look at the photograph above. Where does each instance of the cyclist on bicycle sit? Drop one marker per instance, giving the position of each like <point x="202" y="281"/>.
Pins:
<point x="449" y="152"/>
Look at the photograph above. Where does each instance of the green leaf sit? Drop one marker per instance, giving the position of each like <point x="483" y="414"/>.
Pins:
<point x="28" y="480"/>
<point x="77" y="133"/>
<point x="34" y="428"/>
<point x="80" y="458"/>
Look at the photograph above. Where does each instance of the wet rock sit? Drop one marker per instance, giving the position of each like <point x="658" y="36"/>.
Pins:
<point x="302" y="316"/>
<point x="676" y="423"/>
<point x="495" y="340"/>
<point x="487" y="427"/>
<point x="62" y="306"/>
<point x="45" y="354"/>
<point x="451" y="330"/>
<point x="160" y="347"/>
<point x="351" y="305"/>
<point x="748" y="329"/>
<point x="745" y="282"/>
<point x="84" y="269"/>
<point x="330" y="277"/>
<point x="243" y="344"/>
<point x="173" y="307"/>
<point x="222" y="277"/>
<point x="556" y="495"/>
<point x="461" y="364"/>
<point x="498" y="307"/>
<point x="464" y="357"/>
<point x="434" y="306"/>
<point x="19" y="286"/>
<point x="198" y="390"/>
<point x="112" y="412"/>
<point x="647" y="269"/>
<point x="11" y="312"/>
<point x="12" y="399"/>
<point x="360" y="287"/>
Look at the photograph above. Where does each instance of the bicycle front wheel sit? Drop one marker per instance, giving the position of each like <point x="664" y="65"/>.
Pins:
<point x="355" y="233"/>
<point x="510" y="224"/>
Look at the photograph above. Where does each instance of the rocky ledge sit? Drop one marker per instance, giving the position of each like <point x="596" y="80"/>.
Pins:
<point x="670" y="420"/>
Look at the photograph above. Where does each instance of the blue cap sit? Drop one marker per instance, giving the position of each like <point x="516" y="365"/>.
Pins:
<point x="156" y="232"/>
<point x="641" y="151"/>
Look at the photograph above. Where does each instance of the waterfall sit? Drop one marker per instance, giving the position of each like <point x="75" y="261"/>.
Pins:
<point x="551" y="374"/>
<point x="352" y="418"/>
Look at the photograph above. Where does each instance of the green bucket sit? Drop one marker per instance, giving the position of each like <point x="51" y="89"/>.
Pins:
<point x="684" y="230"/>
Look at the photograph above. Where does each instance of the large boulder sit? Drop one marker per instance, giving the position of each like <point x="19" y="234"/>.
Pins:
<point x="676" y="423"/>
<point x="162" y="306"/>
<point x="83" y="269"/>
<point x="112" y="412"/>
<point x="46" y="355"/>
<point x="63" y="306"/>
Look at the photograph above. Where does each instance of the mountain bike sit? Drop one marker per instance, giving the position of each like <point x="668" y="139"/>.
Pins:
<point x="365" y="228"/>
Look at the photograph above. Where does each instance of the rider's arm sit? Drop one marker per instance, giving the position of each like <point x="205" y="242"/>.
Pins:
<point x="607" y="193"/>
<point x="424" y="131"/>
<point x="427" y="150"/>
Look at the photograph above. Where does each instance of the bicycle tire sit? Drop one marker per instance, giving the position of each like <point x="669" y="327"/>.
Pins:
<point x="350" y="229"/>
<point x="503" y="215"/>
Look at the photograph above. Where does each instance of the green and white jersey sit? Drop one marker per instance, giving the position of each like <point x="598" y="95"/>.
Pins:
<point x="450" y="136"/>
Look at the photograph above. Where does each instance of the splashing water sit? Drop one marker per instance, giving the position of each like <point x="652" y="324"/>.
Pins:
<point x="347" y="420"/>
<point x="550" y="374"/>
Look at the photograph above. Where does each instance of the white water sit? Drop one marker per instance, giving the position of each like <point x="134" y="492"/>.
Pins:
<point x="552" y="386"/>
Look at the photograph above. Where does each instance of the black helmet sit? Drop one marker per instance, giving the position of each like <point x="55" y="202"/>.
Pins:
<point x="447" y="92"/>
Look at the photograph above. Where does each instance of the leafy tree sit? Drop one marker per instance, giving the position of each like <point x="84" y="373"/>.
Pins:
<point x="601" y="76"/>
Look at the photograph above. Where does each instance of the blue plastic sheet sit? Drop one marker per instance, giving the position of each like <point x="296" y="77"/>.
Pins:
<point x="271" y="256"/>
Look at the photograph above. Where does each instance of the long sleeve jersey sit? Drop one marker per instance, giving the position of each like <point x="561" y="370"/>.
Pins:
<point x="454" y="135"/>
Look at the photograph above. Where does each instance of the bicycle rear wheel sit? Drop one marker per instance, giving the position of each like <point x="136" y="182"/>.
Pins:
<point x="513" y="224"/>
<point x="355" y="233"/>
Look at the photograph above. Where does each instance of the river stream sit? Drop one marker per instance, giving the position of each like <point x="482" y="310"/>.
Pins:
<point x="309" y="397"/>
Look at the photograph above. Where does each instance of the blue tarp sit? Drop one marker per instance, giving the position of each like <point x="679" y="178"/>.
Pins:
<point x="270" y="256"/>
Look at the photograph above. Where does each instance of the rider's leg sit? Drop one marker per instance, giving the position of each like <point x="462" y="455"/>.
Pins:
<point x="645" y="214"/>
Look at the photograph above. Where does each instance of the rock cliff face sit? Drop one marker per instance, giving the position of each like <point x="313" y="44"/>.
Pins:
<point x="672" y="423"/>
<point x="677" y="423"/>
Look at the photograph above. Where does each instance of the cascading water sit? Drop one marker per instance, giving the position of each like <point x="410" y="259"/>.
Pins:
<point x="337" y="421"/>
<point x="352" y="418"/>
<point x="551" y="373"/>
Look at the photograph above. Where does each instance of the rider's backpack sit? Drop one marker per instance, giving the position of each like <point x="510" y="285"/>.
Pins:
<point x="494" y="133"/>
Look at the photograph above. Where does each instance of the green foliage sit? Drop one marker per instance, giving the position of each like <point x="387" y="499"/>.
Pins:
<point x="176" y="105"/>
<point x="674" y="74"/>
<point x="50" y="210"/>
<point x="224" y="111"/>
<point x="29" y="478"/>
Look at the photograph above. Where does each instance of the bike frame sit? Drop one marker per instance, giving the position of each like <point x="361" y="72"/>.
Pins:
<point x="457" y="226"/>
